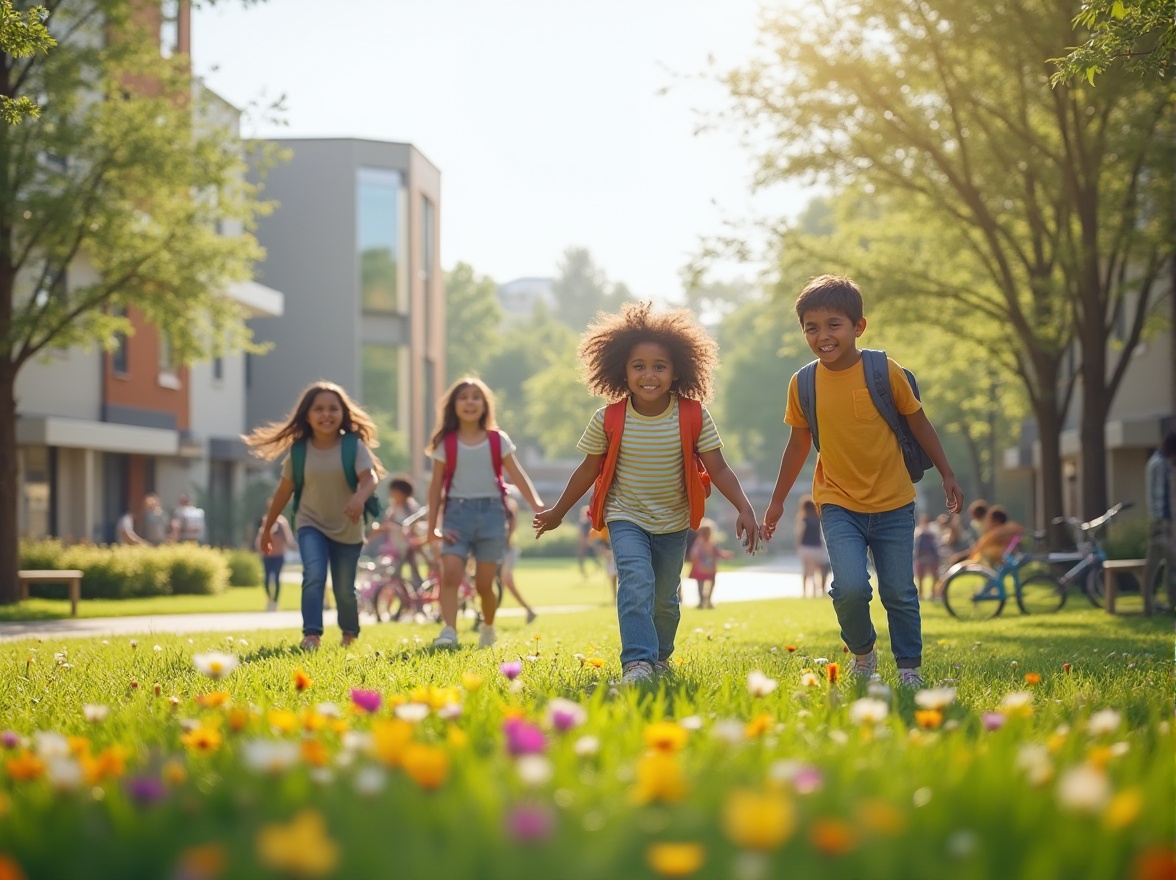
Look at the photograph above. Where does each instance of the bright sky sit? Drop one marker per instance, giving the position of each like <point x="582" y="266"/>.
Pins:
<point x="543" y="116"/>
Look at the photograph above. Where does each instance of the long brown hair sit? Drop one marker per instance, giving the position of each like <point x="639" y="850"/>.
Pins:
<point x="271" y="440"/>
<point x="447" y="420"/>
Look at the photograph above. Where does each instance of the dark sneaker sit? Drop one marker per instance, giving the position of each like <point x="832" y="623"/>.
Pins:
<point x="348" y="640"/>
<point x="637" y="671"/>
<point x="864" y="665"/>
<point x="911" y="678"/>
<point x="310" y="642"/>
<point x="662" y="667"/>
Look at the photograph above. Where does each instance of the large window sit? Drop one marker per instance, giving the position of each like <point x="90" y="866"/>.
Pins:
<point x="428" y="246"/>
<point x="381" y="383"/>
<point x="381" y="231"/>
<point x="36" y="492"/>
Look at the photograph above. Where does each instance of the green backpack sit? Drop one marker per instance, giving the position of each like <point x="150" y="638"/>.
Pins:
<point x="372" y="509"/>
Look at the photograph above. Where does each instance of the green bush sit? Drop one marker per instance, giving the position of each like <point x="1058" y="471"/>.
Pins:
<point x="244" y="568"/>
<point x="1127" y="538"/>
<point x="117" y="572"/>
<point x="41" y="554"/>
<point x="196" y="570"/>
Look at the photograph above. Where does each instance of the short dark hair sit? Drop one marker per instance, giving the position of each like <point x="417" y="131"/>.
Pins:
<point x="1168" y="445"/>
<point x="832" y="293"/>
<point x="401" y="483"/>
<point x="998" y="515"/>
<point x="978" y="509"/>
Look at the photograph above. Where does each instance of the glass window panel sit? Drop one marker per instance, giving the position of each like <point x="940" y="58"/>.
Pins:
<point x="380" y="211"/>
<point x="381" y="383"/>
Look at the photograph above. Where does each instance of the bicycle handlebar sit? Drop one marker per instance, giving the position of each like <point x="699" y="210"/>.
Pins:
<point x="1097" y="522"/>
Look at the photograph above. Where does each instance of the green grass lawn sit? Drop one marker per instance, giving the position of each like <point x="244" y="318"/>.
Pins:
<point x="1046" y="753"/>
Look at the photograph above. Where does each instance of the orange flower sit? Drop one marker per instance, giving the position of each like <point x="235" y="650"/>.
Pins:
<point x="79" y="746"/>
<point x="1158" y="863"/>
<point x="759" y="725"/>
<point x="675" y="859"/>
<point x="174" y="772"/>
<point x="427" y="766"/>
<point x="238" y="718"/>
<point x="315" y="753"/>
<point x="214" y="700"/>
<point x="880" y="817"/>
<point x="790" y="648"/>
<point x="832" y="837"/>
<point x="833" y="671"/>
<point x="928" y="719"/>
<point x="206" y="862"/>
<point x="25" y="767"/>
<point x="10" y="869"/>
<point x="1032" y="678"/>
<point x="301" y="680"/>
<point x="202" y="739"/>
<point x="1066" y="668"/>
<point x="110" y="763"/>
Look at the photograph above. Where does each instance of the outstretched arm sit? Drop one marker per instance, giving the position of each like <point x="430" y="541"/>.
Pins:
<point x="797" y="450"/>
<point x="511" y="465"/>
<point x="580" y="482"/>
<point x="265" y="537"/>
<point x="436" y="485"/>
<point x="925" y="433"/>
<point x="725" y="480"/>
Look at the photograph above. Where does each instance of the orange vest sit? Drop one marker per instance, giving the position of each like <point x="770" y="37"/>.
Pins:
<point x="698" y="483"/>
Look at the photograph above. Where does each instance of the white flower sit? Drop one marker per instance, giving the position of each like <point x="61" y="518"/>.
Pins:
<point x="413" y="713"/>
<point x="158" y="648"/>
<point x="534" y="770"/>
<point x="214" y="664"/>
<point x="880" y="690"/>
<point x="962" y="844"/>
<point x="370" y="781"/>
<point x="868" y="710"/>
<point x="759" y="684"/>
<point x="64" y="774"/>
<point x="1083" y="789"/>
<point x="729" y="730"/>
<point x="691" y="722"/>
<point x="356" y="741"/>
<point x="935" y="698"/>
<point x="810" y="680"/>
<point x="328" y="710"/>
<point x="450" y="711"/>
<point x="60" y="658"/>
<point x="95" y="713"/>
<point x="587" y="746"/>
<point x="1016" y="700"/>
<point x="1104" y="722"/>
<point x="321" y="775"/>
<point x="135" y="643"/>
<point x="270" y="755"/>
<point x="50" y="745"/>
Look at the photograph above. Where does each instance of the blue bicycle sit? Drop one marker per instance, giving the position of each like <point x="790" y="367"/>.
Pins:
<point x="972" y="591"/>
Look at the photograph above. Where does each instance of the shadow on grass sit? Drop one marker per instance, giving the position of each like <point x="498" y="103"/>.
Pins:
<point x="17" y="613"/>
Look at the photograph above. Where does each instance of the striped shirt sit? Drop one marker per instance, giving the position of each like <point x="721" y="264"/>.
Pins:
<point x="648" y="488"/>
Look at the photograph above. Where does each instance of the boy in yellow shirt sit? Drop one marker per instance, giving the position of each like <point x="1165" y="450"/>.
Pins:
<point x="861" y="486"/>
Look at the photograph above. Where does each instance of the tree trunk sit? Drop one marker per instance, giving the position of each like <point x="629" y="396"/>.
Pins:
<point x="9" y="548"/>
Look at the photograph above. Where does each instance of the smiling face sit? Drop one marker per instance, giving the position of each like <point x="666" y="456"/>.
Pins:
<point x="832" y="337"/>
<point x="469" y="405"/>
<point x="650" y="375"/>
<point x="325" y="415"/>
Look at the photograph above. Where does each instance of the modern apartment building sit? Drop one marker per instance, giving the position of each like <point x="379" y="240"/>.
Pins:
<point x="353" y="245"/>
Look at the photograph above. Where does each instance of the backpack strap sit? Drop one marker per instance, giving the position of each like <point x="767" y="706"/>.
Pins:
<point x="297" y="469"/>
<point x="350" y="446"/>
<point x="878" y="381"/>
<point x="806" y="388"/>
<point x="614" y="427"/>
<point x="495" y="440"/>
<point x="693" y="470"/>
<point x="450" y="443"/>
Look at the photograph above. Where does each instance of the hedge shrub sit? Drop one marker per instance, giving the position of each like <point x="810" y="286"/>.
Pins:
<point x="244" y="568"/>
<point x="118" y="572"/>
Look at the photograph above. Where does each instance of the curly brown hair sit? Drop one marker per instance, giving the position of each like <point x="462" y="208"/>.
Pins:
<point x="606" y="344"/>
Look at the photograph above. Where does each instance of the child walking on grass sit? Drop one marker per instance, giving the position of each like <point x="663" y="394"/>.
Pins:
<point x="704" y="556"/>
<point x="861" y="487"/>
<point x="331" y="473"/>
<point x="468" y="501"/>
<point x="656" y="367"/>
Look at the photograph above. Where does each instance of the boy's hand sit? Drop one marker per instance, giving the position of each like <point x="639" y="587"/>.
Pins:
<point x="955" y="495"/>
<point x="265" y="543"/>
<point x="748" y="531"/>
<point x="771" y="520"/>
<point x="545" y="521"/>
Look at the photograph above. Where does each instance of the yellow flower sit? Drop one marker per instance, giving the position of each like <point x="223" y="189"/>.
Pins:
<point x="1100" y="756"/>
<point x="390" y="738"/>
<point x="202" y="739"/>
<point x="312" y="720"/>
<point x="434" y="697"/>
<point x="110" y="763"/>
<point x="427" y="766"/>
<point x="79" y="746"/>
<point x="659" y="778"/>
<point x="928" y="719"/>
<point x="759" y="821"/>
<point x="457" y="738"/>
<point x="832" y="837"/>
<point x="301" y="849"/>
<point x="665" y="736"/>
<point x="174" y="772"/>
<point x="471" y="681"/>
<point x="594" y="662"/>
<point x="25" y="767"/>
<point x="1124" y="809"/>
<point x="282" y="720"/>
<point x="759" y="725"/>
<point x="315" y="753"/>
<point x="675" y="859"/>
<point x="214" y="700"/>
<point x="238" y="718"/>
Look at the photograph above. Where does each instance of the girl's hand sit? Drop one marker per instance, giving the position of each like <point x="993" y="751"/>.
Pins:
<point x="748" y="531"/>
<point x="545" y="521"/>
<point x="265" y="542"/>
<point x="443" y="537"/>
<point x="771" y="520"/>
<point x="354" y="509"/>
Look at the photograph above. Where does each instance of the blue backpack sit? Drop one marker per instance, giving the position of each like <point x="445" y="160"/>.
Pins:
<point x="372" y="510"/>
<point x="878" y="381"/>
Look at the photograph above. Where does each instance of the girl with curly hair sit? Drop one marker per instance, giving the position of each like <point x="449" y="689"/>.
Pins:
<point x="660" y="363"/>
<point x="328" y="510"/>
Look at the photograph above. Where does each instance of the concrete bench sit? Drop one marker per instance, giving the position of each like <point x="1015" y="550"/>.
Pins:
<point x="1111" y="569"/>
<point x="70" y="576"/>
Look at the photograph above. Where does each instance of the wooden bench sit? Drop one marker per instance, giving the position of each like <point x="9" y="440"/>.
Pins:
<point x="70" y="576"/>
<point x="1111" y="569"/>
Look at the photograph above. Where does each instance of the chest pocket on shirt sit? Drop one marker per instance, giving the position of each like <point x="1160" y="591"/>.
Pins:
<point x="863" y="406"/>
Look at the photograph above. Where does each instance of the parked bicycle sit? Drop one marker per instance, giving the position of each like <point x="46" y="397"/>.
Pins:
<point x="1086" y="572"/>
<point x="973" y="591"/>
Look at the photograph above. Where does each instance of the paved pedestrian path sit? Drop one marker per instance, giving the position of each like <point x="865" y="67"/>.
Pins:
<point x="774" y="579"/>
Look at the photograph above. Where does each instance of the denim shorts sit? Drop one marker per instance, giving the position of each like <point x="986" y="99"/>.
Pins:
<point x="477" y="525"/>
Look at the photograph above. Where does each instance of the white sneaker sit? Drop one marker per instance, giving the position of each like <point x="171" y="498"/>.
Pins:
<point x="447" y="639"/>
<point x="637" y="671"/>
<point x="911" y="678"/>
<point x="864" y="665"/>
<point x="486" y="635"/>
<point x="271" y="605"/>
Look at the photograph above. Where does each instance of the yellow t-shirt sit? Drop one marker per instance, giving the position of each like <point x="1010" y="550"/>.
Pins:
<point x="860" y="465"/>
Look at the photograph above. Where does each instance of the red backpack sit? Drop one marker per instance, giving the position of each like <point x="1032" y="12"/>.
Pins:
<point x="451" y="445"/>
<point x="698" y="483"/>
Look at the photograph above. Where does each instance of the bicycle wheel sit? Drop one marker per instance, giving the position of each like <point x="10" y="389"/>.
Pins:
<point x="1094" y="586"/>
<point x="973" y="593"/>
<point x="1040" y="594"/>
<point x="389" y="594"/>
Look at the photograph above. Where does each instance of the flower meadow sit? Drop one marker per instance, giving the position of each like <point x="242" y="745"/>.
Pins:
<point x="1038" y="750"/>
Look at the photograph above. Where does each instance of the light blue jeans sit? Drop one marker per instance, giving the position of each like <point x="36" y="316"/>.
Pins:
<point x="890" y="539"/>
<point x="318" y="551"/>
<point x="649" y="570"/>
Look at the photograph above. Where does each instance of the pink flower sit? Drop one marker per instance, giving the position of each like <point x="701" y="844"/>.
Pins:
<point x="529" y="824"/>
<point x="511" y="669"/>
<point x="992" y="720"/>
<point x="368" y="701"/>
<point x="807" y="780"/>
<point x="523" y="738"/>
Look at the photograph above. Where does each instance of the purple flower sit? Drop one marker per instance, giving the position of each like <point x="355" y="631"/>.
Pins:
<point x="368" y="701"/>
<point x="10" y="739"/>
<point x="529" y="824"/>
<point x="992" y="720"/>
<point x="511" y="669"/>
<point x="523" y="738"/>
<point x="146" y="790"/>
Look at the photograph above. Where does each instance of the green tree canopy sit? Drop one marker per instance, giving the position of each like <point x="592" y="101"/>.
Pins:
<point x="1139" y="34"/>
<point x="472" y="319"/>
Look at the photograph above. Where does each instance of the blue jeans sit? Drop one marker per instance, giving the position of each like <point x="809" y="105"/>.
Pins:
<point x="273" y="573"/>
<point x="649" y="570"/>
<point x="890" y="538"/>
<point x="318" y="551"/>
